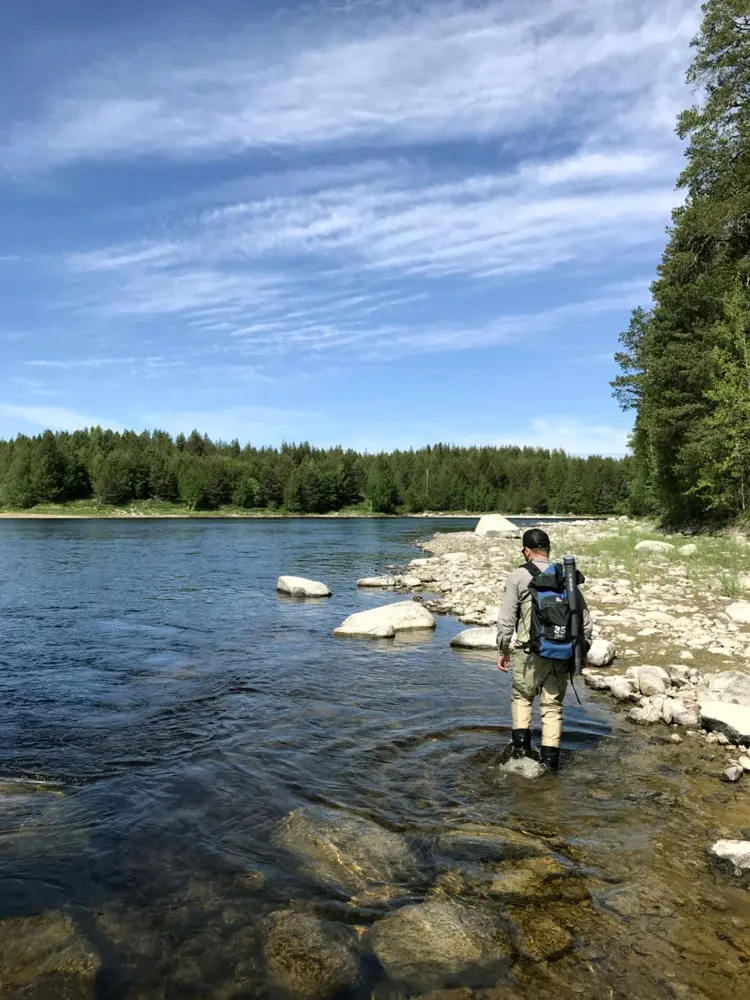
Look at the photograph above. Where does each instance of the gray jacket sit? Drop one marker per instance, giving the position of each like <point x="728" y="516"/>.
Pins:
<point x="515" y="610"/>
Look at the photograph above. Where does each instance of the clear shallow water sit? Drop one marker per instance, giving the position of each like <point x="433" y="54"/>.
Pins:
<point x="150" y="674"/>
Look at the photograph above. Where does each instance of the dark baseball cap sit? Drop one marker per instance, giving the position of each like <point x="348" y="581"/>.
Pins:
<point x="536" y="539"/>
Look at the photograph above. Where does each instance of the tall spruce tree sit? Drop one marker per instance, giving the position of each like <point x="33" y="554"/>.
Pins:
<point x="685" y="363"/>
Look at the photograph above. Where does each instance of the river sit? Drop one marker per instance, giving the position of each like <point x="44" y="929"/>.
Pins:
<point x="168" y="709"/>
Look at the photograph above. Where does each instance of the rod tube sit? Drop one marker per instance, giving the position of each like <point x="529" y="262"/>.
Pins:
<point x="571" y="587"/>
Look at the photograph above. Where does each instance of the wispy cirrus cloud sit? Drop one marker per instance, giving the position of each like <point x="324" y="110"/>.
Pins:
<point x="331" y="185"/>
<point x="396" y="74"/>
<point x="53" y="417"/>
<point x="346" y="267"/>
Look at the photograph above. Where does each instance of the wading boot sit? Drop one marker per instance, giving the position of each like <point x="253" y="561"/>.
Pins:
<point x="549" y="758"/>
<point x="521" y="743"/>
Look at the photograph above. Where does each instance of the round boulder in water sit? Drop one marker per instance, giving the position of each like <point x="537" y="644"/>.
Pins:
<point x="348" y="853"/>
<point x="298" y="586"/>
<point x="431" y="944"/>
<point x="476" y="638"/>
<point x="385" y="622"/>
<point x="310" y="958"/>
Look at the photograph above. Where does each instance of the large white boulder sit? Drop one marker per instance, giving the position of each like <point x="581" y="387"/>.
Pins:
<point x="601" y="653"/>
<point x="385" y="622"/>
<point x="652" y="546"/>
<point x="739" y="612"/>
<point x="298" y="586"/>
<point x="731" y="686"/>
<point x="732" y="720"/>
<point x="377" y="581"/>
<point x="476" y="638"/>
<point x="496" y="524"/>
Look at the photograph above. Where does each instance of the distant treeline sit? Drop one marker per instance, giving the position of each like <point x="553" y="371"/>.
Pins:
<point x="118" y="469"/>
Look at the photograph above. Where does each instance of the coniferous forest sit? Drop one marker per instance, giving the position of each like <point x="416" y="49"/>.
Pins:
<point x="118" y="469"/>
<point x="686" y="360"/>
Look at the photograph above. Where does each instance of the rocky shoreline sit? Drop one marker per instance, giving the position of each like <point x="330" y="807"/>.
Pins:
<point x="676" y="647"/>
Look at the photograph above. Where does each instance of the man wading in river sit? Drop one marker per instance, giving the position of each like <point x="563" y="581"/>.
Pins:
<point x="534" y="674"/>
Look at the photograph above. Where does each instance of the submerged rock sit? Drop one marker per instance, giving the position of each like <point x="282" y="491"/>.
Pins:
<point x="601" y="653"/>
<point x="490" y="843"/>
<point x="536" y="880"/>
<point x="349" y="853"/>
<point x="311" y="958"/>
<point x="432" y="944"/>
<point x="385" y="622"/>
<point x="525" y="767"/>
<point x="538" y="937"/>
<point x="731" y="859"/>
<point x="476" y="638"/>
<point x="377" y="581"/>
<point x="298" y="586"/>
<point x="46" y="950"/>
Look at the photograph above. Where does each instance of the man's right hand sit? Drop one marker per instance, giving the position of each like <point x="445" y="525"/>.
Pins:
<point x="503" y="662"/>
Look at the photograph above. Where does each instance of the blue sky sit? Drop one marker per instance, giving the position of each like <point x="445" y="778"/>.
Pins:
<point x="360" y="222"/>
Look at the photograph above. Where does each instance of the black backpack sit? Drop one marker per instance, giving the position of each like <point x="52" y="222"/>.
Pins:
<point x="550" y="633"/>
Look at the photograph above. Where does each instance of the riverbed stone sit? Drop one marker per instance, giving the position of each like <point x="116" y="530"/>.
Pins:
<point x="623" y="689"/>
<point x="739" y="612"/>
<point x="731" y="859"/>
<point x="44" y="947"/>
<point x="601" y="653"/>
<point x="386" y="621"/>
<point x="650" y="681"/>
<point x="596" y="681"/>
<point x="348" y="853"/>
<point x="377" y="581"/>
<point x="732" y="773"/>
<point x="476" y="638"/>
<point x="431" y="944"/>
<point x="311" y="958"/>
<point x="731" y="720"/>
<point x="298" y="586"/>
<point x="653" y="546"/>
<point x="645" y="715"/>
